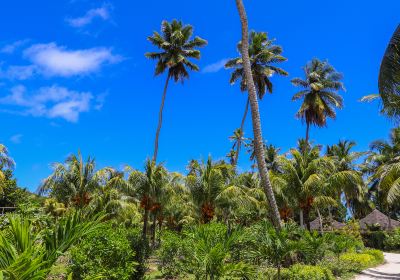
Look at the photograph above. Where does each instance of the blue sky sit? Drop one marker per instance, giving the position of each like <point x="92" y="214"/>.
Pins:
<point x="73" y="76"/>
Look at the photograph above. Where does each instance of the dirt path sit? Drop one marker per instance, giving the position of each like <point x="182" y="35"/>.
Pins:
<point x="389" y="270"/>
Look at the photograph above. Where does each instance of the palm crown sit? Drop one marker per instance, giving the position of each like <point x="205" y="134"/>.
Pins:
<point x="263" y="55"/>
<point x="319" y="93"/>
<point x="176" y="48"/>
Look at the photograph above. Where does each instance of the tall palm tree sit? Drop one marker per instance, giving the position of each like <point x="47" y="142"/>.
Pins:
<point x="177" y="47"/>
<point x="263" y="56"/>
<point x="319" y="94"/>
<point x="73" y="182"/>
<point x="255" y="114"/>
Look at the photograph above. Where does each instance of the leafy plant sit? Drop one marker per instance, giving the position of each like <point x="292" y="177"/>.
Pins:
<point x="105" y="252"/>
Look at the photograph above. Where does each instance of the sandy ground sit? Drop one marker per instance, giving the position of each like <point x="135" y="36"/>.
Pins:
<point x="389" y="270"/>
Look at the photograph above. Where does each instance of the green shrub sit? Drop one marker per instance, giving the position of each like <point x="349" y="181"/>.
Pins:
<point x="374" y="239"/>
<point x="392" y="241"/>
<point x="106" y="252"/>
<point x="357" y="262"/>
<point x="377" y="254"/>
<point x="337" y="266"/>
<point x="172" y="254"/>
<point x="341" y="243"/>
<point x="307" y="272"/>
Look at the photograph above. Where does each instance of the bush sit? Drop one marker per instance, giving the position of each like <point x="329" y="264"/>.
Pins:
<point x="337" y="266"/>
<point x="341" y="243"/>
<point x="374" y="239"/>
<point x="377" y="254"/>
<point x="307" y="272"/>
<point x="357" y="262"/>
<point x="392" y="241"/>
<point x="174" y="250"/>
<point x="106" y="252"/>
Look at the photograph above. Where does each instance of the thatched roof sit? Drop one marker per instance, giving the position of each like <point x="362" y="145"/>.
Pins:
<point x="377" y="217"/>
<point x="326" y="223"/>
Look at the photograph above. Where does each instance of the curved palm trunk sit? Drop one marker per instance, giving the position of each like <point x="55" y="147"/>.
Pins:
<point x="239" y="144"/>
<point x="258" y="140"/>
<point x="160" y="117"/>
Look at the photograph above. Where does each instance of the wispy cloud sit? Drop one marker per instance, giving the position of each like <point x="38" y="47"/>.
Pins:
<point x="16" y="139"/>
<point x="18" y="72"/>
<point x="102" y="13"/>
<point x="11" y="48"/>
<point x="215" y="67"/>
<point x="53" y="60"/>
<point x="51" y="102"/>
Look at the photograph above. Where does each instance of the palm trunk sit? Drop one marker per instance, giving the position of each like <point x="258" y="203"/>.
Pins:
<point x="301" y="214"/>
<point x="239" y="144"/>
<point x="307" y="134"/>
<point x="153" y="230"/>
<point x="320" y="221"/>
<point x="145" y="219"/>
<point x="160" y="117"/>
<point x="307" y="218"/>
<point x="258" y="140"/>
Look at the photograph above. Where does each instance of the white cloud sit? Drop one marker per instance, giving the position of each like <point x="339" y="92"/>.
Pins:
<point x="11" y="48"/>
<point x="16" y="139"/>
<point x="215" y="67"/>
<point x="51" y="102"/>
<point x="53" y="60"/>
<point x="100" y="13"/>
<point x="18" y="72"/>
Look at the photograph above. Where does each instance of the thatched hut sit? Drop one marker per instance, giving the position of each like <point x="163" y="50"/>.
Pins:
<point x="327" y="224"/>
<point x="376" y="217"/>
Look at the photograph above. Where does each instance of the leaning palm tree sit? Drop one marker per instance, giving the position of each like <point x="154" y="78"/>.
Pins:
<point x="177" y="47"/>
<point x="255" y="114"/>
<point x="319" y="94"/>
<point x="389" y="79"/>
<point x="263" y="56"/>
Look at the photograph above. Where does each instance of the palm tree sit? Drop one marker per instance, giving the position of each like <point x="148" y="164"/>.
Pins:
<point x="312" y="182"/>
<point x="205" y="182"/>
<point x="389" y="79"/>
<point x="147" y="186"/>
<point x="271" y="245"/>
<point x="383" y="166"/>
<point x="345" y="162"/>
<point x="29" y="254"/>
<point x="263" y="57"/>
<point x="177" y="47"/>
<point x="6" y="162"/>
<point x="319" y="94"/>
<point x="255" y="114"/>
<point x="73" y="182"/>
